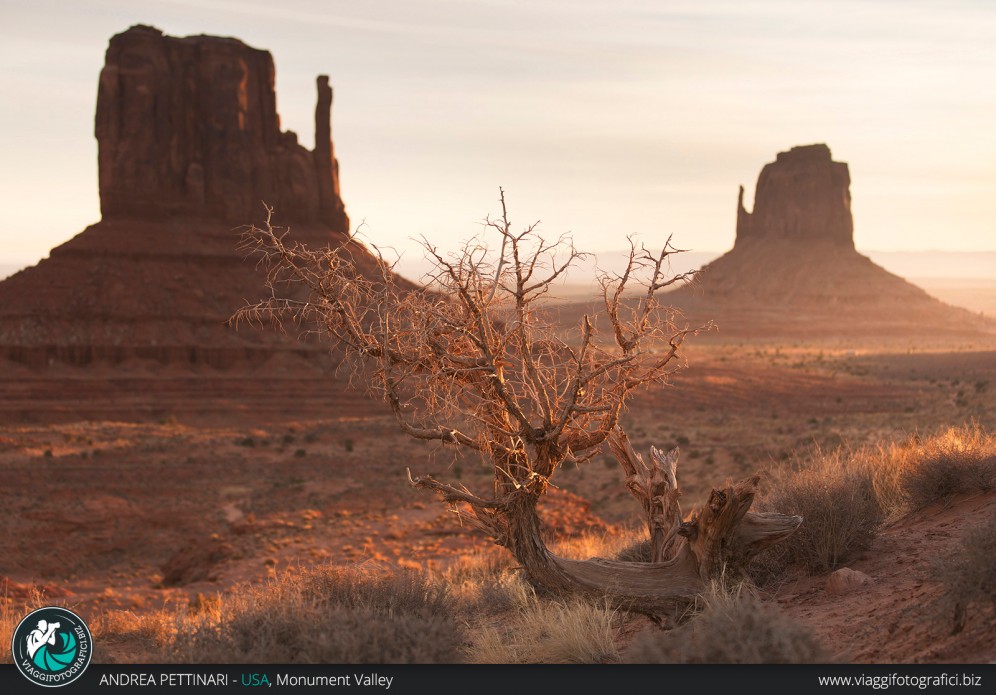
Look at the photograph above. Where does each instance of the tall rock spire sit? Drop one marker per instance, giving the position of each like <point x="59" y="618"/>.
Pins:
<point x="325" y="163"/>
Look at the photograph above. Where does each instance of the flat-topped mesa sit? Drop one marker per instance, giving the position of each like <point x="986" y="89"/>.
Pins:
<point x="189" y="127"/>
<point x="802" y="196"/>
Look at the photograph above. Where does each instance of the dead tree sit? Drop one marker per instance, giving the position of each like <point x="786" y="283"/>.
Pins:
<point x="474" y="362"/>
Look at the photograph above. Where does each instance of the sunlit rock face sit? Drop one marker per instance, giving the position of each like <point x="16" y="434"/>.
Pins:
<point x="189" y="126"/>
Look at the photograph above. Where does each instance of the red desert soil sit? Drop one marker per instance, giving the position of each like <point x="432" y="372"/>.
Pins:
<point x="897" y="618"/>
<point x="151" y="486"/>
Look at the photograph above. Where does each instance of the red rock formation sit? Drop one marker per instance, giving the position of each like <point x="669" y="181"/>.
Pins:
<point x="189" y="144"/>
<point x="189" y="126"/>
<point x="794" y="263"/>
<point x="802" y="197"/>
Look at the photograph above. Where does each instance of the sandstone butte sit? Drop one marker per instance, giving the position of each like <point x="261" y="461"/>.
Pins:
<point x="189" y="144"/>
<point x="794" y="270"/>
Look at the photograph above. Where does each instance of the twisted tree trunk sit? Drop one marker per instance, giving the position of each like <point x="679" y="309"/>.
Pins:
<point x="718" y="538"/>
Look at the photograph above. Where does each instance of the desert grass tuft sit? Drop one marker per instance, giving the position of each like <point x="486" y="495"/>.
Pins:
<point x="596" y="544"/>
<point x="319" y="615"/>
<point x="330" y="615"/>
<point x="835" y="495"/>
<point x="637" y="551"/>
<point x="733" y="627"/>
<point x="13" y="610"/>
<point x="968" y="574"/>
<point x="543" y="631"/>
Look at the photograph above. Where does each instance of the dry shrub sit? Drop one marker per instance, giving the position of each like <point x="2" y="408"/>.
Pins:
<point x="734" y="627"/>
<point x="835" y="495"/>
<point x="919" y="471"/>
<point x="149" y="631"/>
<point x="547" y="632"/>
<point x="958" y="461"/>
<point x="969" y="573"/>
<point x="402" y="592"/>
<point x="326" y="615"/>
<point x="844" y="495"/>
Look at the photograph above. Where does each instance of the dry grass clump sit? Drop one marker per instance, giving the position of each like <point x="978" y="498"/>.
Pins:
<point x="12" y="610"/>
<point x="400" y="592"/>
<point x="10" y="615"/>
<point x="845" y="495"/>
<point x="542" y="631"/>
<point x="919" y="471"/>
<point x="148" y="633"/>
<point x="320" y="615"/>
<point x="327" y="615"/>
<point x="969" y="573"/>
<point x="835" y="495"/>
<point x="959" y="461"/>
<point x="734" y="627"/>
<point x="483" y="585"/>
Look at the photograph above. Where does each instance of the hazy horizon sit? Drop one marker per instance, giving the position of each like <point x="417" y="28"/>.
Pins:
<point x="600" y="119"/>
<point x="912" y="265"/>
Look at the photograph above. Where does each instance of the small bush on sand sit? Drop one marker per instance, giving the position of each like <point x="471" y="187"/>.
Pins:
<point x="402" y="592"/>
<point x="483" y="584"/>
<point x="734" y="627"/>
<point x="835" y="495"/>
<point x="969" y="573"/>
<point x="311" y="633"/>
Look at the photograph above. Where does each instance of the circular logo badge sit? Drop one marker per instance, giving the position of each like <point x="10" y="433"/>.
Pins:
<point x="52" y="646"/>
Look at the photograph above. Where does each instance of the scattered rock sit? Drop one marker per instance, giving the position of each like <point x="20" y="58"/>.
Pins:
<point x="846" y="581"/>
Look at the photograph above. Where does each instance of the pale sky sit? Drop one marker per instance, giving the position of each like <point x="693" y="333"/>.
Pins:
<point x="599" y="118"/>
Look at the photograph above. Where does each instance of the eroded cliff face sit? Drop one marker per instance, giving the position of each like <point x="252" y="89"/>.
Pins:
<point x="802" y="197"/>
<point x="189" y="126"/>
